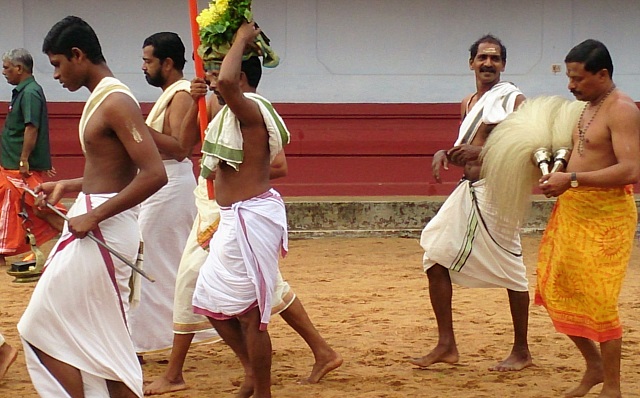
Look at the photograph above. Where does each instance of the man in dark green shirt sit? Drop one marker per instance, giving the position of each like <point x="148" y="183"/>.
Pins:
<point x="25" y="155"/>
<point x="25" y="136"/>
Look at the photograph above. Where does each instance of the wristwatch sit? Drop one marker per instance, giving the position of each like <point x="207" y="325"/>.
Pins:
<point x="22" y="163"/>
<point x="574" y="180"/>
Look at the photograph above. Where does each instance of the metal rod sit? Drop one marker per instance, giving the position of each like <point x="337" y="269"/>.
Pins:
<point x="94" y="238"/>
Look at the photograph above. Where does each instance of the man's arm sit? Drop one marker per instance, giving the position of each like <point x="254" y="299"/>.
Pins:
<point x="441" y="158"/>
<point x="519" y="100"/>
<point x="53" y="191"/>
<point x="30" y="137"/>
<point x="470" y="152"/>
<point x="184" y="129"/>
<point x="246" y="110"/>
<point x="279" y="166"/>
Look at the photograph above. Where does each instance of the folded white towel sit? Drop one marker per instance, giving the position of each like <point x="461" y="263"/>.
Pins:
<point x="223" y="137"/>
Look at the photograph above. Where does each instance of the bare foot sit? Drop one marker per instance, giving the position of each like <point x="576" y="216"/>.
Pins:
<point x="8" y="355"/>
<point x="440" y="354"/>
<point x="246" y="389"/>
<point x="514" y="362"/>
<point x="322" y="367"/>
<point x="610" y="394"/>
<point x="162" y="385"/>
<point x="591" y="378"/>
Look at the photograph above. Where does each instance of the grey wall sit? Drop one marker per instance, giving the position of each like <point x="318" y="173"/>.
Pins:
<point x="367" y="51"/>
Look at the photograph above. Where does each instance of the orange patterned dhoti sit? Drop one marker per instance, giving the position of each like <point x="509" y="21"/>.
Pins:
<point x="583" y="259"/>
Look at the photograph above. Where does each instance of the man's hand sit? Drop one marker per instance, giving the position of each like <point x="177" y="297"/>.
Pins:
<point x="554" y="184"/>
<point x="248" y="33"/>
<point x="81" y="225"/>
<point x="199" y="88"/>
<point x="51" y="192"/>
<point x="461" y="154"/>
<point x="440" y="161"/>
<point x="24" y="168"/>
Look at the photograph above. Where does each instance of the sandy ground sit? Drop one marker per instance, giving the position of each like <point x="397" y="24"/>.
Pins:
<point x="368" y="298"/>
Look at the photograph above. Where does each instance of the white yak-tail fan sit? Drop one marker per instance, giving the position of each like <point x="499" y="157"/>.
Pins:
<point x="507" y="163"/>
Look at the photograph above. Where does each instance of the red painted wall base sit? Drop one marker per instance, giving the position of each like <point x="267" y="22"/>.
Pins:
<point x="335" y="150"/>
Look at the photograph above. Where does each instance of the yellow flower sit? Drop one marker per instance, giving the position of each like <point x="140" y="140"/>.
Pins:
<point x="213" y="14"/>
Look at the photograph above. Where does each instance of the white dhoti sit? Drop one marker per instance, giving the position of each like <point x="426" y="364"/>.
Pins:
<point x="165" y="219"/>
<point x="185" y="321"/>
<point x="466" y="238"/>
<point x="241" y="271"/>
<point x="77" y="311"/>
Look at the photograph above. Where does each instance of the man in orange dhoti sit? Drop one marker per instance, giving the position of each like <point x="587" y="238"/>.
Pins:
<point x="586" y="247"/>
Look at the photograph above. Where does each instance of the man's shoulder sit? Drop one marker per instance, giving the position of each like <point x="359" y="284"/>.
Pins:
<point x="32" y="87"/>
<point x="117" y="106"/>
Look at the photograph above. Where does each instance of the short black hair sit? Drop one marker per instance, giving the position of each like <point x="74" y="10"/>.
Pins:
<point x="252" y="68"/>
<point x="73" y="32"/>
<point x="593" y="54"/>
<point x="488" y="38"/>
<point x="167" y="45"/>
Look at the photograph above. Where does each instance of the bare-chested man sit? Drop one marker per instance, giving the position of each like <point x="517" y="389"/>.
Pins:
<point x="285" y="301"/>
<point x="464" y="243"/>
<point x="74" y="329"/>
<point x="166" y="217"/>
<point x="587" y="244"/>
<point x="236" y="283"/>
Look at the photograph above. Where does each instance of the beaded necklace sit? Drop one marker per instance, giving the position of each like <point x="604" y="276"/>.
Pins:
<point x="582" y="130"/>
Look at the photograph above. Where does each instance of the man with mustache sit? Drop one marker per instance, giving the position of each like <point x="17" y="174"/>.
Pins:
<point x="464" y="243"/>
<point x="25" y="157"/>
<point x="587" y="244"/>
<point x="166" y="217"/>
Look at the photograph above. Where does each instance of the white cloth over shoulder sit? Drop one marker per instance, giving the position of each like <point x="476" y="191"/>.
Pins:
<point x="77" y="311"/>
<point x="165" y="220"/>
<point x="242" y="266"/>
<point x="155" y="120"/>
<point x="466" y="238"/>
<point x="492" y="108"/>
<point x="107" y="85"/>
<point x="223" y="137"/>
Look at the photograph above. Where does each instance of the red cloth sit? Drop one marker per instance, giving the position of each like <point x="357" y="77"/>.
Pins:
<point x="12" y="234"/>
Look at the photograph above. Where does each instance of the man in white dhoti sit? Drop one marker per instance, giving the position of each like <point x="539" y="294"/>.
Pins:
<point x="189" y="326"/>
<point x="465" y="242"/>
<point x="74" y="329"/>
<point x="166" y="217"/>
<point x="236" y="283"/>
